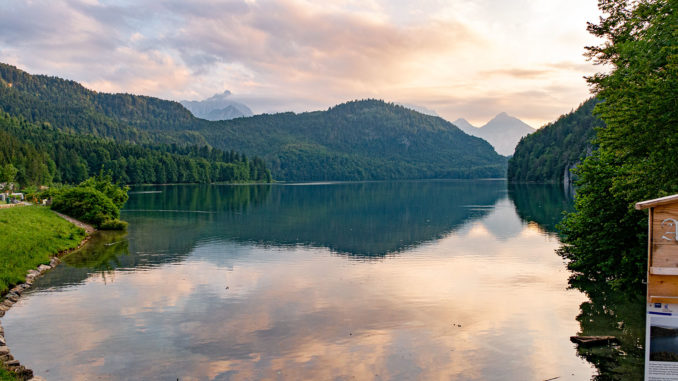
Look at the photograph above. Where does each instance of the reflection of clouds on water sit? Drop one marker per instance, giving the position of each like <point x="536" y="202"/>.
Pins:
<point x="259" y="292"/>
<point x="303" y="313"/>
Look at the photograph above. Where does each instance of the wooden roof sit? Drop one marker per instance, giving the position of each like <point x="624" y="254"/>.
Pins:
<point x="657" y="202"/>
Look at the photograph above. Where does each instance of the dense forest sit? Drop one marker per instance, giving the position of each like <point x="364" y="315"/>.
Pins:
<point x="358" y="140"/>
<point x="548" y="154"/>
<point x="606" y="238"/>
<point x="38" y="154"/>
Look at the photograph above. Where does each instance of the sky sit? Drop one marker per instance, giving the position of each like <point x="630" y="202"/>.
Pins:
<point x="460" y="58"/>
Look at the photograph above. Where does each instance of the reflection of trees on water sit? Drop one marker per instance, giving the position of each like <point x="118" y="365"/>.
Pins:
<point x="615" y="313"/>
<point x="542" y="204"/>
<point x="608" y="311"/>
<point x="102" y="254"/>
<point x="360" y="220"/>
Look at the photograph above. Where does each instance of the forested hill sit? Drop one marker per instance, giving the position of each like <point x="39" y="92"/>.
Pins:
<point x="548" y="154"/>
<point x="359" y="140"/>
<point x="67" y="105"/>
<point x="33" y="155"/>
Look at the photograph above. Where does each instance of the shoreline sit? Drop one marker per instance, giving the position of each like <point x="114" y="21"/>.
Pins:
<point x="14" y="294"/>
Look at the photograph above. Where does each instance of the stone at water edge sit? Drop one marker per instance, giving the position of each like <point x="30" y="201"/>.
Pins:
<point x="43" y="268"/>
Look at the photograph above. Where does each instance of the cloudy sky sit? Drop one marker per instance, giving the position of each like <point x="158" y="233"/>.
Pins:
<point x="461" y="58"/>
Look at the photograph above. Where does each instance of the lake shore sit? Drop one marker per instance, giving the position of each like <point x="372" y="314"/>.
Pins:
<point x="31" y="228"/>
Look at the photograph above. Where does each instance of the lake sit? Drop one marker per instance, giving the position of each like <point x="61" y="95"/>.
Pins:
<point x="334" y="281"/>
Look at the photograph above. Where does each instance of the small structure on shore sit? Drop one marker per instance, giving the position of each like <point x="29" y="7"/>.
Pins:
<point x="662" y="287"/>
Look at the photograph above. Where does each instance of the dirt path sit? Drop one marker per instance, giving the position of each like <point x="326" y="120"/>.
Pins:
<point x="88" y="228"/>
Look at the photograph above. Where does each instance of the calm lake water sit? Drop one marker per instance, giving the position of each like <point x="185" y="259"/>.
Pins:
<point x="398" y="280"/>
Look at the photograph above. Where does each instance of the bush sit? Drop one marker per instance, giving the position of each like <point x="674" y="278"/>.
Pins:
<point x="86" y="204"/>
<point x="113" y="225"/>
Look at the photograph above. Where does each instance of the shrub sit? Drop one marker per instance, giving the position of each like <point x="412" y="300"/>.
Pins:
<point x="86" y="204"/>
<point x="113" y="225"/>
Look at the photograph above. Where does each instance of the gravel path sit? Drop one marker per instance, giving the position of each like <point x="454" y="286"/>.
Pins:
<point x="88" y="228"/>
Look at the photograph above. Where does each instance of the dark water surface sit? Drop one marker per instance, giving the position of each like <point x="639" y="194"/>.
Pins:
<point x="403" y="280"/>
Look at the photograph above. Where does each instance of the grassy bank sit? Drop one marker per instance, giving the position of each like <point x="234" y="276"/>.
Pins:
<point x="29" y="237"/>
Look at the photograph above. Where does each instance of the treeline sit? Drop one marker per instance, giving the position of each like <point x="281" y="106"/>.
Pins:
<point x="42" y="154"/>
<point x="548" y="154"/>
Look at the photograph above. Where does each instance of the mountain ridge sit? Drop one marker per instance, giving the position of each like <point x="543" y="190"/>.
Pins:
<point x="503" y="131"/>
<point x="217" y="107"/>
<point x="357" y="140"/>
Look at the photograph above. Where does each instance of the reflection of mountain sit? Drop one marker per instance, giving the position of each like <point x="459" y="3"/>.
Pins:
<point x="502" y="221"/>
<point x="361" y="219"/>
<point x="542" y="204"/>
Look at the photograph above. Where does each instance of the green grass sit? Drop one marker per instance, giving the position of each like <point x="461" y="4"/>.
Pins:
<point x="31" y="236"/>
<point x="6" y="375"/>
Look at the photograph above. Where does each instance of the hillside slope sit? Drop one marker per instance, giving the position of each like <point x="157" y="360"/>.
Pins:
<point x="359" y="140"/>
<point x="548" y="154"/>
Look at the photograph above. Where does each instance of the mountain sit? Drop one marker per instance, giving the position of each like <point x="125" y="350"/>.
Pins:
<point x="503" y="132"/>
<point x="358" y="140"/>
<point x="218" y="107"/>
<point x="56" y="130"/>
<point x="465" y="126"/>
<point x="548" y="154"/>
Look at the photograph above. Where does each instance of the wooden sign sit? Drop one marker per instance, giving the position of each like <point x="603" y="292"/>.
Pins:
<point x="661" y="327"/>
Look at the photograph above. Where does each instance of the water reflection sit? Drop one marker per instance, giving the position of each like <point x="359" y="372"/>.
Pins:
<point x="543" y="204"/>
<point x="449" y="283"/>
<point x="611" y="312"/>
<point x="357" y="219"/>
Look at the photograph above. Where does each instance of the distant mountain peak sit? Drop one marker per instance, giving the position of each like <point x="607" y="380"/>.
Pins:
<point x="218" y="107"/>
<point x="503" y="131"/>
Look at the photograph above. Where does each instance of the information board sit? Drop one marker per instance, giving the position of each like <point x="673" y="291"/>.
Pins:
<point x="661" y="325"/>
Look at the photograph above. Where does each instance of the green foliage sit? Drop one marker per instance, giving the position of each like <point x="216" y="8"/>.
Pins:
<point x="7" y="375"/>
<point x="357" y="140"/>
<point x="636" y="160"/>
<point x="104" y="184"/>
<point x="86" y="204"/>
<point x="96" y="201"/>
<point x="29" y="237"/>
<point x="113" y="225"/>
<point x="43" y="154"/>
<point x="546" y="155"/>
